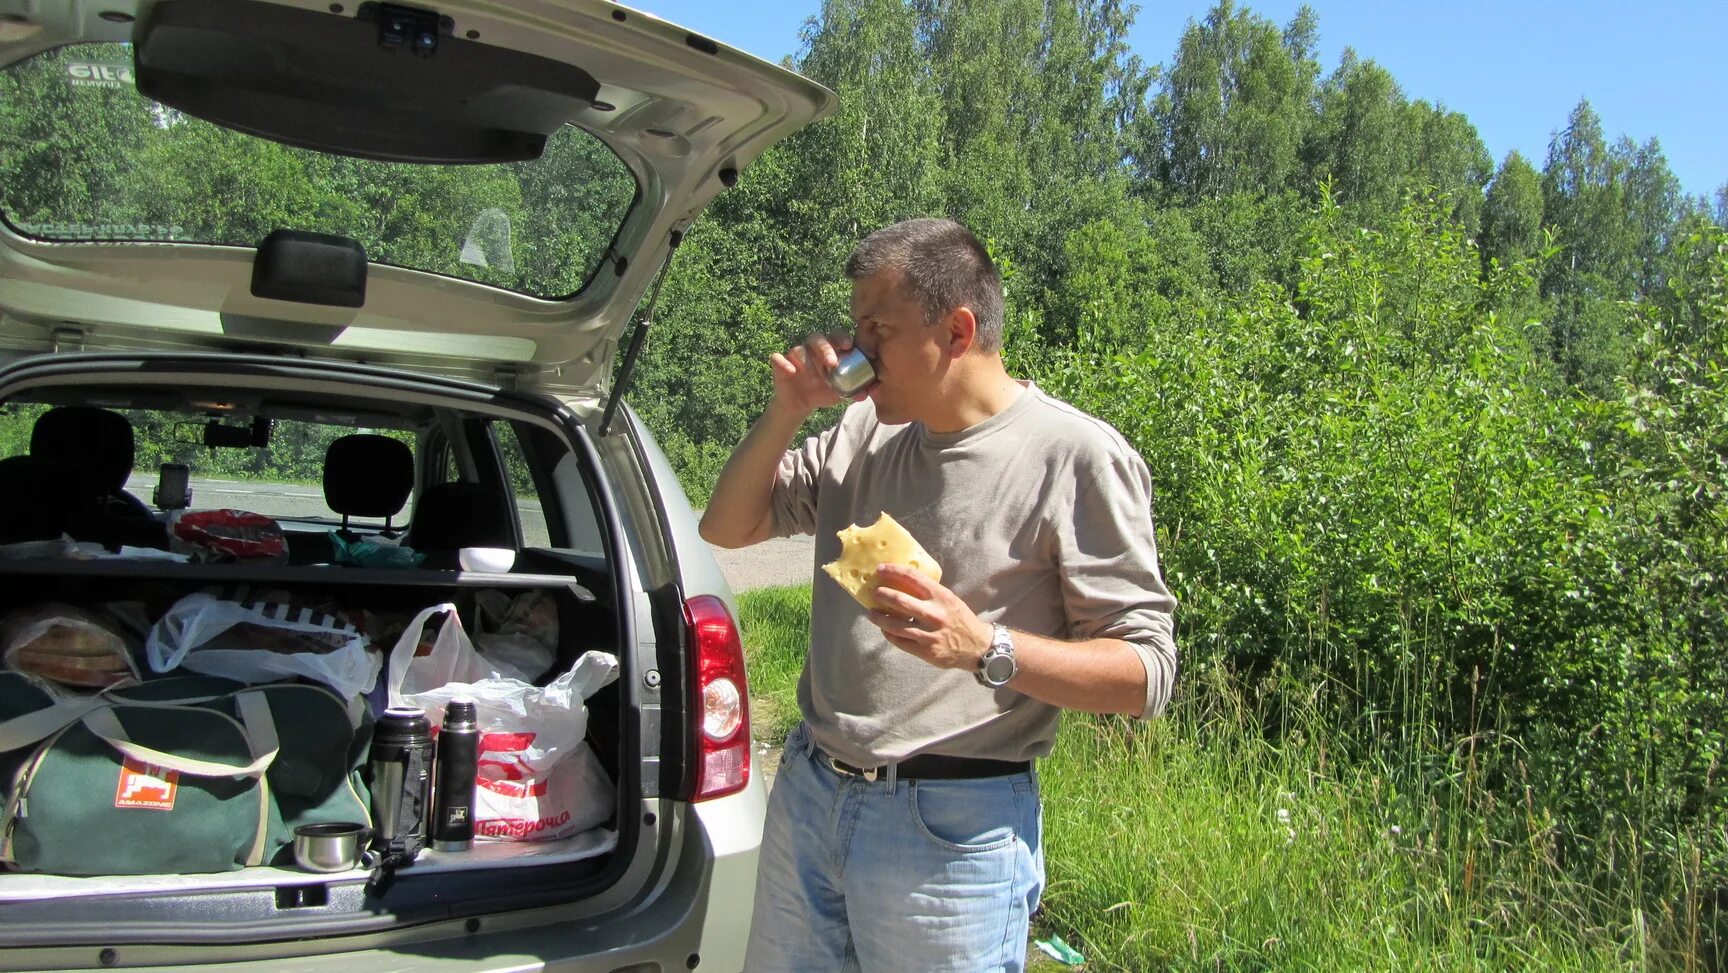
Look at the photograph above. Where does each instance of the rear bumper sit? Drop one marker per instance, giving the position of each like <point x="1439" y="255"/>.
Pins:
<point x="696" y="917"/>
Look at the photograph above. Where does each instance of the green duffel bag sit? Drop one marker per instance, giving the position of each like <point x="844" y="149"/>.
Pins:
<point x="107" y="786"/>
<point x="322" y="743"/>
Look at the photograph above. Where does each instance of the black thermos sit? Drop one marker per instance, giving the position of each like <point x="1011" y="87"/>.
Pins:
<point x="458" y="766"/>
<point x="401" y="771"/>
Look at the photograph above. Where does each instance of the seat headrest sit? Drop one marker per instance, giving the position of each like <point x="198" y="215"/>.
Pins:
<point x="367" y="475"/>
<point x="40" y="499"/>
<point x="451" y="516"/>
<point x="92" y="439"/>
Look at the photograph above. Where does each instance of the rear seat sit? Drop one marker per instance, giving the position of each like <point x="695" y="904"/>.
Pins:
<point x="365" y="475"/>
<point x="97" y="441"/>
<point x="451" y="516"/>
<point x="38" y="500"/>
<point x="98" y="444"/>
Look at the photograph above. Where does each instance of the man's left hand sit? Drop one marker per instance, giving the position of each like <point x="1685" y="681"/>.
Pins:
<point x="922" y="617"/>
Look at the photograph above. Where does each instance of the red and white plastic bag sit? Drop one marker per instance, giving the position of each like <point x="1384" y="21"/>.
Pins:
<point x="538" y="779"/>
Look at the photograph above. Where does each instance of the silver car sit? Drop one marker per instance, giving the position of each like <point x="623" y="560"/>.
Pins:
<point x="368" y="272"/>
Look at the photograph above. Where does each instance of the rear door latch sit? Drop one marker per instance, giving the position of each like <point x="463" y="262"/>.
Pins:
<point x="406" y="28"/>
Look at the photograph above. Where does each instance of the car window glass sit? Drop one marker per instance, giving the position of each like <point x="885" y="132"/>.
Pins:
<point x="532" y="516"/>
<point x="284" y="480"/>
<point x="85" y="156"/>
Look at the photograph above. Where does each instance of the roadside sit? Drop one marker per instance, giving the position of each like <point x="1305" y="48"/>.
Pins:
<point x="780" y="561"/>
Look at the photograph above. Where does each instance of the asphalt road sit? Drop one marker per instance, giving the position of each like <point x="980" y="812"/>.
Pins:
<point x="781" y="561"/>
<point x="776" y="562"/>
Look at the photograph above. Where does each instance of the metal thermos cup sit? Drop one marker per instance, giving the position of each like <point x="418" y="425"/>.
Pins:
<point x="401" y="773"/>
<point x="458" y="765"/>
<point x="852" y="375"/>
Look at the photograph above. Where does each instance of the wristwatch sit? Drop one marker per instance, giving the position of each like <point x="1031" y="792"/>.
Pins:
<point x="997" y="665"/>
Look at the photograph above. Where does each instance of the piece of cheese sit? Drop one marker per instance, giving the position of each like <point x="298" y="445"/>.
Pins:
<point x="862" y="549"/>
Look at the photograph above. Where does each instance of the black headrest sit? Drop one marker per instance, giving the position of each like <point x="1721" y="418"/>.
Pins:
<point x="40" y="499"/>
<point x="451" y="516"/>
<point x="92" y="439"/>
<point x="367" y="475"/>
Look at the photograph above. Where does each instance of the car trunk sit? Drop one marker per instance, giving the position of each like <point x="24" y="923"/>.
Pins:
<point x="575" y="579"/>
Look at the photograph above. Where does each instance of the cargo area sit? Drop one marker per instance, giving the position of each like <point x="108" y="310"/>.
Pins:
<point x="425" y="500"/>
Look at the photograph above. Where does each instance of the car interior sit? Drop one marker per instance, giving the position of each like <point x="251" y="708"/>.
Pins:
<point x="334" y="474"/>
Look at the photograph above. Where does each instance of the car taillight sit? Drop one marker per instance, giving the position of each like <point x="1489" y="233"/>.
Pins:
<point x="722" y="699"/>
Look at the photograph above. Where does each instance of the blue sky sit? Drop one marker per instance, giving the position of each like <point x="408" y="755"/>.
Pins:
<point x="1514" y="67"/>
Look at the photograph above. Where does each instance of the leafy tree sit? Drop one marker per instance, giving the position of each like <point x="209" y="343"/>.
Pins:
<point x="1361" y="141"/>
<point x="1449" y="159"/>
<point x="1512" y="215"/>
<point x="1233" y="110"/>
<point x="1583" y="198"/>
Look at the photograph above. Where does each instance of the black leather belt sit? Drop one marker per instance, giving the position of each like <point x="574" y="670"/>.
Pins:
<point x="933" y="766"/>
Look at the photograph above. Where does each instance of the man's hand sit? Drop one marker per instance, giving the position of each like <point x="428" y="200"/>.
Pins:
<point x="801" y="374"/>
<point x="929" y="621"/>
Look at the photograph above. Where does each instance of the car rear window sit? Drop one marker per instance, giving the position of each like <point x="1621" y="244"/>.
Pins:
<point x="84" y="157"/>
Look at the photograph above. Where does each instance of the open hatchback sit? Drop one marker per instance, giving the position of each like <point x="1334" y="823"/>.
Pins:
<point x="310" y="315"/>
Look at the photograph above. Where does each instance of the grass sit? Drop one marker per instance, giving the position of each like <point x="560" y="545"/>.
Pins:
<point x="776" y="629"/>
<point x="1203" y="842"/>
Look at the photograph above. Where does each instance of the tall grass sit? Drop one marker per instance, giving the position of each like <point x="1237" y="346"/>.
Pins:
<point x="1208" y="840"/>
<point x="776" y="628"/>
<point x="1201" y="842"/>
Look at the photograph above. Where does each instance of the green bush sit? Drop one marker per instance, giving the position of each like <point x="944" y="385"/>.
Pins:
<point x="1370" y="493"/>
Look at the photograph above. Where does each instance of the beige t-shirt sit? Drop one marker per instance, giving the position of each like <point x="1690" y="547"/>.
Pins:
<point x="1041" y="518"/>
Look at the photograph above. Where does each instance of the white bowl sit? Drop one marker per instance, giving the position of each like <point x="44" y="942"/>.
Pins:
<point x="490" y="560"/>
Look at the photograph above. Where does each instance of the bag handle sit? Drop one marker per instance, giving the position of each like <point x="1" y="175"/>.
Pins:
<point x="260" y="738"/>
<point x="38" y="725"/>
<point x="402" y="654"/>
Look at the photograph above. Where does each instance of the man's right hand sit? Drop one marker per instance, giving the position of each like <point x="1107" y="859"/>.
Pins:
<point x="801" y="374"/>
<point x="738" y="512"/>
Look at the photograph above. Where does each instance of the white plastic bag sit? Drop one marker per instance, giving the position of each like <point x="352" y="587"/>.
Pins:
<point x="261" y="642"/>
<point x="519" y="632"/>
<point x="529" y="787"/>
<point x="572" y="798"/>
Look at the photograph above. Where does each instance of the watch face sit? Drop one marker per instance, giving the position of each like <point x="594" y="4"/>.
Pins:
<point x="998" y="669"/>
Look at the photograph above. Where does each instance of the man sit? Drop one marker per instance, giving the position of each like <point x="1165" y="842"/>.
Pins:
<point x="903" y="831"/>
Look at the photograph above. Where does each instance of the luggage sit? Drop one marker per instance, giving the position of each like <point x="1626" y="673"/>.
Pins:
<point x="322" y="744"/>
<point x="182" y="775"/>
<point x="98" y="786"/>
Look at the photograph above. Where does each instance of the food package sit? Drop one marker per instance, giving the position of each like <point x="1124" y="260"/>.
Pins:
<point x="262" y="641"/>
<point x="228" y="535"/>
<point x="66" y="645"/>
<point x="519" y="635"/>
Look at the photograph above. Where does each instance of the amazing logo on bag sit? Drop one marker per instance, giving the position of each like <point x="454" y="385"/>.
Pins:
<point x="144" y="786"/>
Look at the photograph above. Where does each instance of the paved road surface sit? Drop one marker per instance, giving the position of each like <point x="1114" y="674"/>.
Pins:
<point x="781" y="561"/>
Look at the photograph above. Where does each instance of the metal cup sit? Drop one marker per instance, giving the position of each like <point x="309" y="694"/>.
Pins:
<point x="332" y="847"/>
<point x="852" y="375"/>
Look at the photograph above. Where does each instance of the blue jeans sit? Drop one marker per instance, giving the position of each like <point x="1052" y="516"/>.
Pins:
<point x="890" y="875"/>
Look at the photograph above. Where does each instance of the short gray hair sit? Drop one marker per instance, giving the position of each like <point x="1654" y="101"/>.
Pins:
<point x="945" y="266"/>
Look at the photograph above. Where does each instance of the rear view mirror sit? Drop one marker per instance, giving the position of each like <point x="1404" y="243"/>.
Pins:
<point x="218" y="435"/>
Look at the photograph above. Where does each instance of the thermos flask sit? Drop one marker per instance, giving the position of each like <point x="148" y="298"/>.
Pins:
<point x="401" y="773"/>
<point x="458" y="765"/>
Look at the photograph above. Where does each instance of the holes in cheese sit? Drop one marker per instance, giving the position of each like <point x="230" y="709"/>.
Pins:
<point x="863" y="548"/>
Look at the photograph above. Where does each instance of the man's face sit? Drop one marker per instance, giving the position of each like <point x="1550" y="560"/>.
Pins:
<point x="910" y="355"/>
